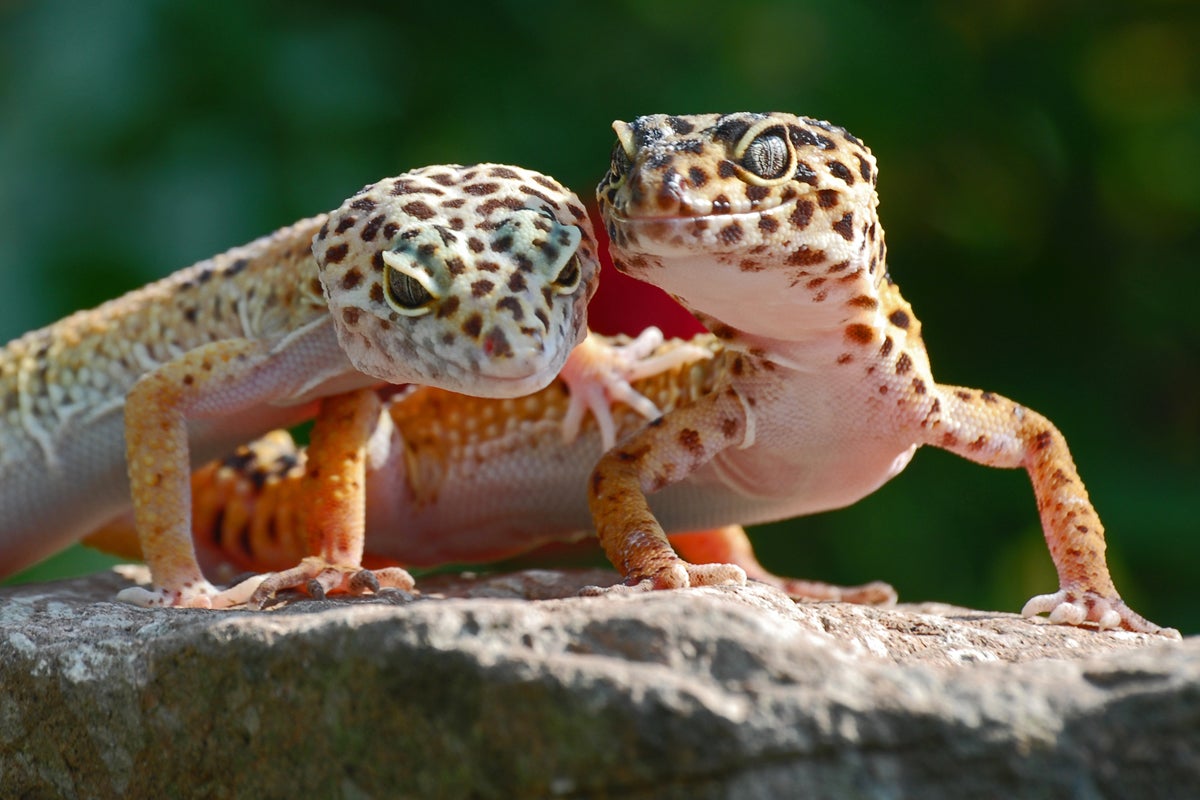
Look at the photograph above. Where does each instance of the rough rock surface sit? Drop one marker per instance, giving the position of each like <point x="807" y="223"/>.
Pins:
<point x="720" y="692"/>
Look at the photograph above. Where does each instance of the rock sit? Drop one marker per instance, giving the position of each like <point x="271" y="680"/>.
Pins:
<point x="715" y="692"/>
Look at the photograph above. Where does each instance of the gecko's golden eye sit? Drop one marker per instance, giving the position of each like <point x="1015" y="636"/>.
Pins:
<point x="765" y="155"/>
<point x="410" y="273"/>
<point x="768" y="155"/>
<point x="406" y="291"/>
<point x="567" y="280"/>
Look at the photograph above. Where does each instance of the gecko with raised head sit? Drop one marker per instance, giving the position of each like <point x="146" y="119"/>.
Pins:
<point x="765" y="226"/>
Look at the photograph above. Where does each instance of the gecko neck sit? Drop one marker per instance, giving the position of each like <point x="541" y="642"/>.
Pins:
<point x="777" y="302"/>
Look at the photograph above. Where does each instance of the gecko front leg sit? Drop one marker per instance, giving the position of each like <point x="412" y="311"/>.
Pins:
<point x="993" y="430"/>
<point x="666" y="451"/>
<point x="334" y="505"/>
<point x="600" y="372"/>
<point x="224" y="378"/>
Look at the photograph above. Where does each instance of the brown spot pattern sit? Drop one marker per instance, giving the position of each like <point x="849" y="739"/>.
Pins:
<point x="418" y="209"/>
<point x="691" y="441"/>
<point x="371" y="229"/>
<point x="804" y="257"/>
<point x="473" y="326"/>
<point x="828" y="198"/>
<point x="844" y="227"/>
<point x="860" y="333"/>
<point x="337" y="253"/>
<point x="802" y="214"/>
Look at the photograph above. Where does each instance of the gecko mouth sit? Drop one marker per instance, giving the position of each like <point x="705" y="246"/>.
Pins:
<point x="688" y="212"/>
<point x="715" y="233"/>
<point x="511" y="377"/>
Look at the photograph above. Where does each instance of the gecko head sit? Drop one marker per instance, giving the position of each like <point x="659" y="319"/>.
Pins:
<point x="476" y="279"/>
<point x="745" y="217"/>
<point x="728" y="183"/>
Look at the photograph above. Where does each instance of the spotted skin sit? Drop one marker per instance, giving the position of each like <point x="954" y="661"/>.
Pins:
<point x="766" y="227"/>
<point x="470" y="278"/>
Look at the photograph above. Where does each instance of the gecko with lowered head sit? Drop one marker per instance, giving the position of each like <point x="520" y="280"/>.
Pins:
<point x="470" y="278"/>
<point x="448" y="478"/>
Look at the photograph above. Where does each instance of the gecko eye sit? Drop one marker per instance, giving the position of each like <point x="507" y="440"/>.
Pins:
<point x="405" y="293"/>
<point x="621" y="161"/>
<point x="567" y="280"/>
<point x="767" y="156"/>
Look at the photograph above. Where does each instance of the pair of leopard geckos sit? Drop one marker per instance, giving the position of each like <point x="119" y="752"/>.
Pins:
<point x="812" y="389"/>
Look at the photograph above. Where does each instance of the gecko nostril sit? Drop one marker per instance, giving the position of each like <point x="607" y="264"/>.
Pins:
<point x="670" y="192"/>
<point x="496" y="344"/>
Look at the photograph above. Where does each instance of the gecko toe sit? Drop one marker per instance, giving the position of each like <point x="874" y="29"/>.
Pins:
<point x="1067" y="607"/>
<point x="319" y="579"/>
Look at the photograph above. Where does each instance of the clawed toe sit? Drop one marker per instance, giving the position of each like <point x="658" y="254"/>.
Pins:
<point x="193" y="595"/>
<point x="677" y="575"/>
<point x="1076" y="608"/>
<point x="318" y="578"/>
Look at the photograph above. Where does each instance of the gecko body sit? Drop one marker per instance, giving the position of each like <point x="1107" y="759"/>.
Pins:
<point x="470" y="278"/>
<point x="454" y="479"/>
<point x="766" y="227"/>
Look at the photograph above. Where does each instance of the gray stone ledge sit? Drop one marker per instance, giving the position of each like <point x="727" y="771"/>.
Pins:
<point x="474" y="691"/>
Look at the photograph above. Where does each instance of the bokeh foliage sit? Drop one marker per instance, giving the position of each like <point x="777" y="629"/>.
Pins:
<point x="1040" y="183"/>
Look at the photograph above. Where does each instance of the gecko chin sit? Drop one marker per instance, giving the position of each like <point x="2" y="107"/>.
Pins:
<point x="481" y="382"/>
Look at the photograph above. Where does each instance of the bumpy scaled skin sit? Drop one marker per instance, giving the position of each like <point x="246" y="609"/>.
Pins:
<point x="765" y="226"/>
<point x="471" y="278"/>
<point x="457" y="479"/>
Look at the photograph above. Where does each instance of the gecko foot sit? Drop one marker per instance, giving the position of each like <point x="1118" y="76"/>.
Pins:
<point x="1067" y="607"/>
<point x="194" y="595"/>
<point x="319" y="578"/>
<point x="599" y="374"/>
<point x="731" y="545"/>
<point x="678" y="575"/>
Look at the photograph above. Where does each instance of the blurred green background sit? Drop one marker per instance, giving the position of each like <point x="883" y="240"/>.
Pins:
<point x="1040" y="183"/>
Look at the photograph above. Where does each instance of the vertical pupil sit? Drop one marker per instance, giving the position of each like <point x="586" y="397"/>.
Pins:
<point x="406" y="290"/>
<point x="569" y="275"/>
<point x="766" y="156"/>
